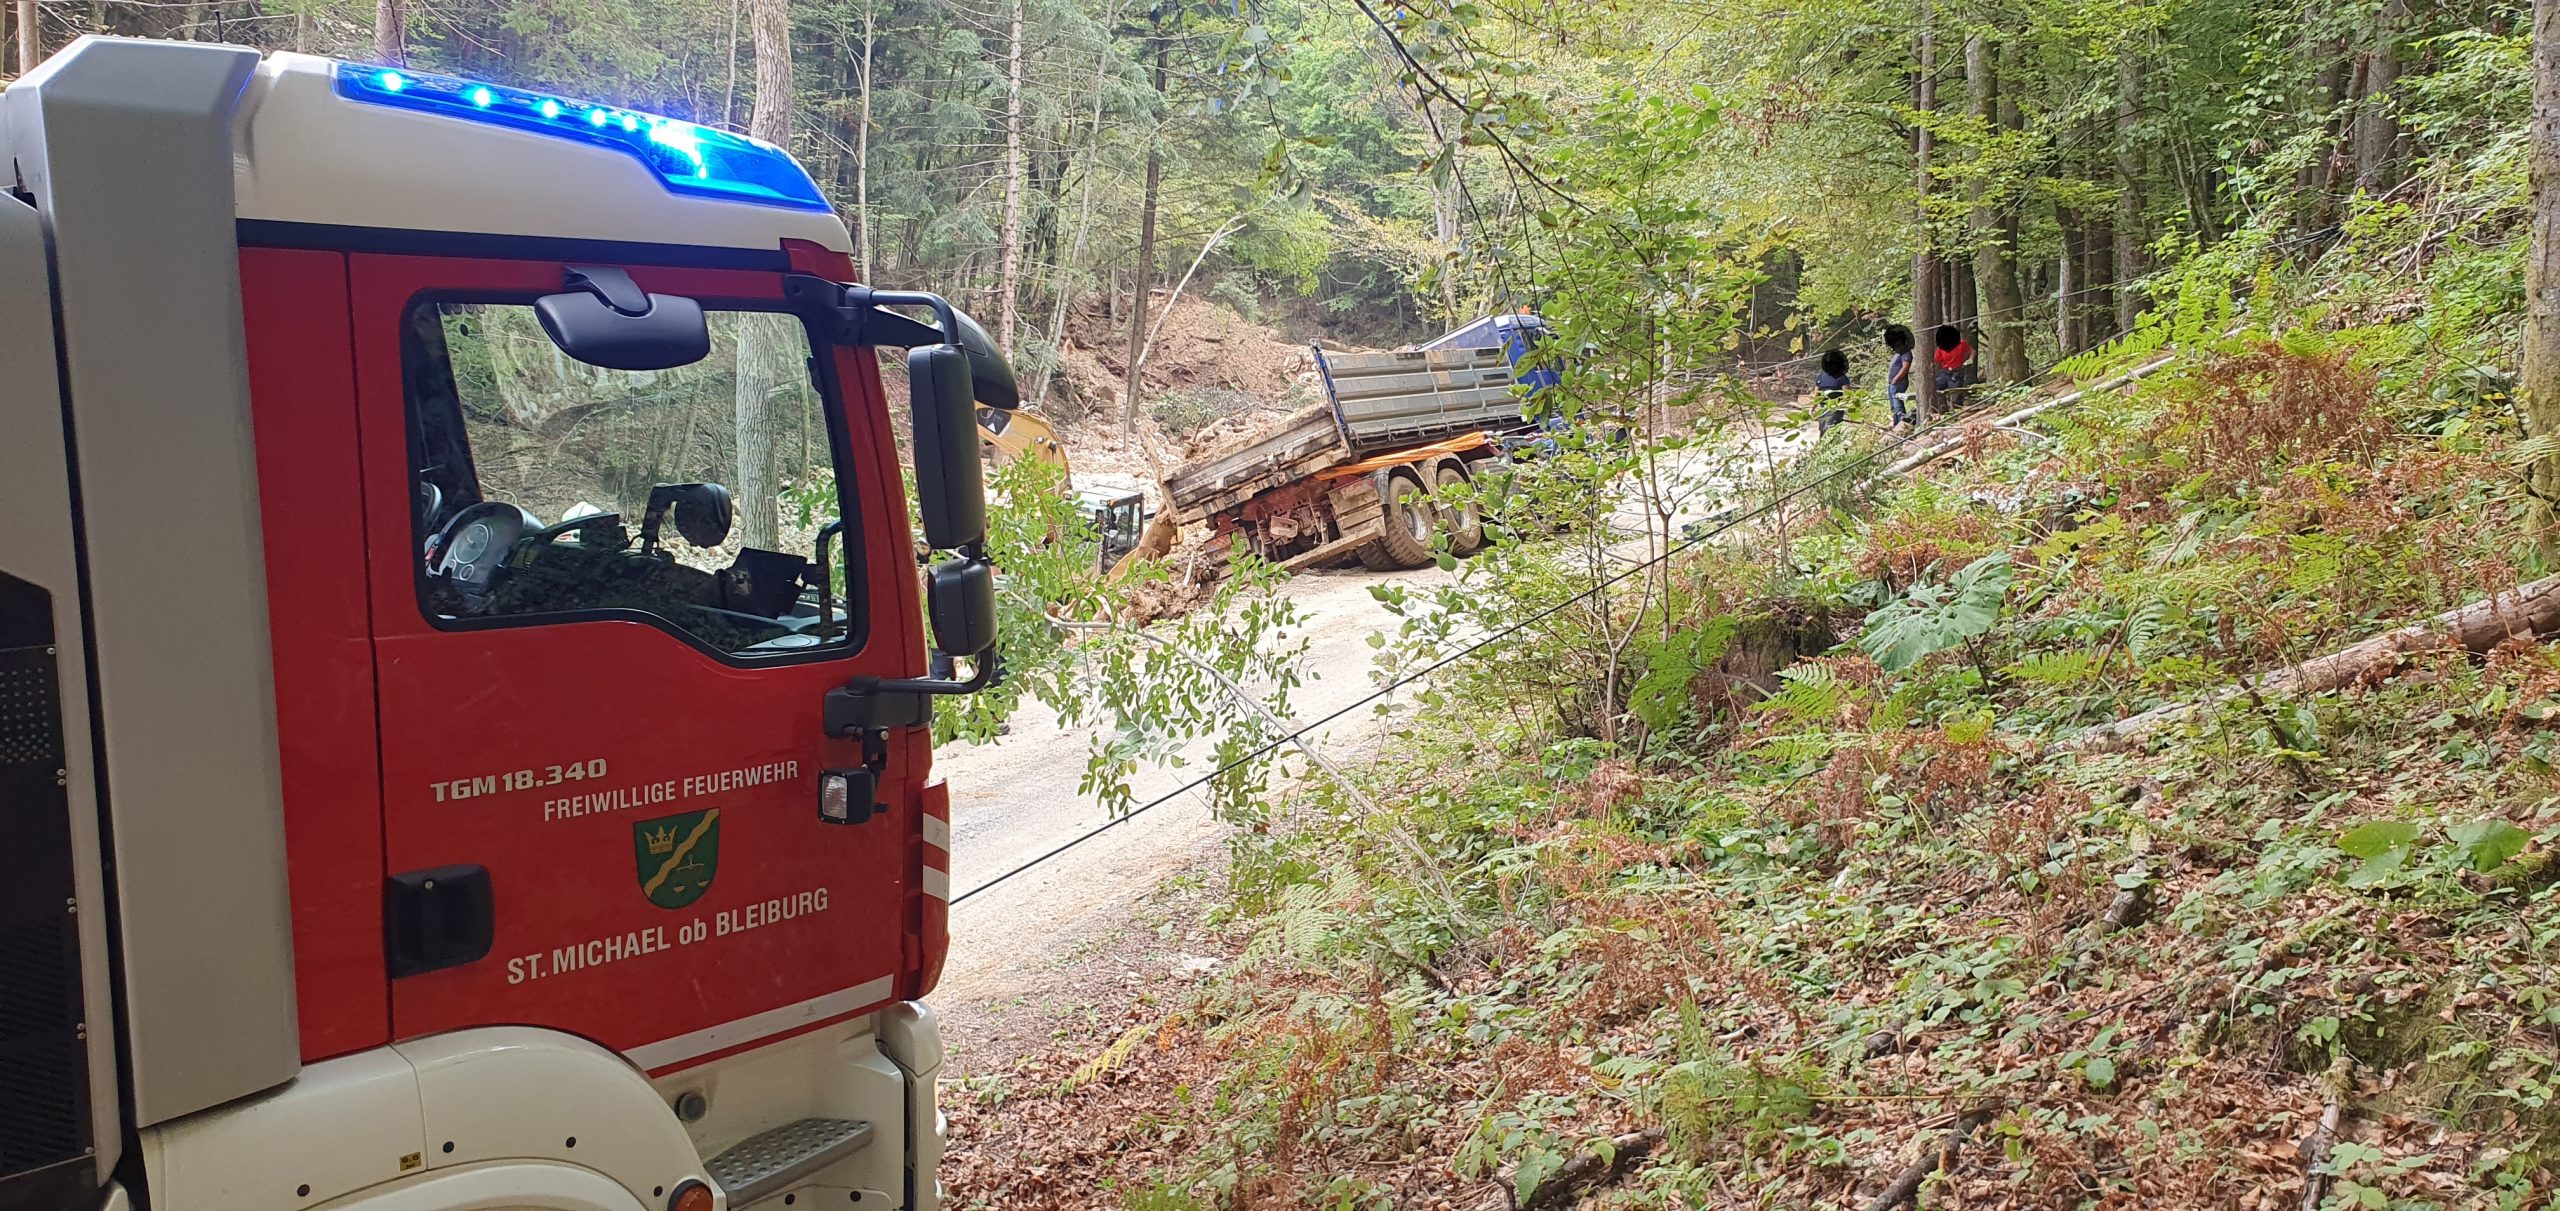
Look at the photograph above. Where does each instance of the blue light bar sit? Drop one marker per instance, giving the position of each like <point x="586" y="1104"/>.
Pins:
<point x="688" y="158"/>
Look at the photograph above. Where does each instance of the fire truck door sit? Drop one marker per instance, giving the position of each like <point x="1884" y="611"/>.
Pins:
<point x="603" y="653"/>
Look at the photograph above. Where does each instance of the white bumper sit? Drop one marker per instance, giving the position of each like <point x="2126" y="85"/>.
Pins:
<point x="517" y="1117"/>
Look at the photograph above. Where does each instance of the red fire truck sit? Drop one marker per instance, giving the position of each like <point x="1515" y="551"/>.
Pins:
<point x="426" y="783"/>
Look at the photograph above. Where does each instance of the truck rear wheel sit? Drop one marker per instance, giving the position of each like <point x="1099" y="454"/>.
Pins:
<point x="1464" y="521"/>
<point x="1408" y="524"/>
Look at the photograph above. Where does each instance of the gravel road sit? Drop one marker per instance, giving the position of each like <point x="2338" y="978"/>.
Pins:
<point x="1037" y="940"/>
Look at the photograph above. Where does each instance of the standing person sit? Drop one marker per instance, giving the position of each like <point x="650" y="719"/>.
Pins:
<point x="1897" y="371"/>
<point x="1831" y="387"/>
<point x="1955" y="366"/>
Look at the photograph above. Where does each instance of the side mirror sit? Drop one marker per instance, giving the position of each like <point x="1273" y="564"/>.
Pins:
<point x="951" y="488"/>
<point x="604" y="319"/>
<point x="960" y="594"/>
<point x="702" y="512"/>
<point x="990" y="372"/>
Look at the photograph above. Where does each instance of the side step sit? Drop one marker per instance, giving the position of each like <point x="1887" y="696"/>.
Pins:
<point x="761" y="1166"/>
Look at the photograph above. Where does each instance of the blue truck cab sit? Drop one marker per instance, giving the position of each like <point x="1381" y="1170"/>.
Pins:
<point x="1517" y="335"/>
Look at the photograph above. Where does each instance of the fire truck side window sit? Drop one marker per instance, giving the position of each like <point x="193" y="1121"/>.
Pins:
<point x="697" y="499"/>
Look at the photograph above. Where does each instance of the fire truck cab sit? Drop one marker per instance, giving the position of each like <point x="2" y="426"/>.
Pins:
<point x="461" y="684"/>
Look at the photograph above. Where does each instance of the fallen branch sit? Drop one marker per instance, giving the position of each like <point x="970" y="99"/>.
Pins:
<point x="2533" y="609"/>
<point x="1584" y="1170"/>
<point x="2315" y="1153"/>
<point x="2315" y="1147"/>
<point x="2131" y="907"/>
<point x="1906" y="1184"/>
<point x="1950" y="445"/>
<point x="1425" y="869"/>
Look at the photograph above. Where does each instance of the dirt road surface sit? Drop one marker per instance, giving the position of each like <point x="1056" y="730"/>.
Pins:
<point x="1050" y="929"/>
<point x="1082" y="928"/>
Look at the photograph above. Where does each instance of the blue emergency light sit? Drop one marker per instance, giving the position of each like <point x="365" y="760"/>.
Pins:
<point x="689" y="158"/>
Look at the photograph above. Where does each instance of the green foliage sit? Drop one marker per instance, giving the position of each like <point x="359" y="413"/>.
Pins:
<point x="1187" y="410"/>
<point x="2486" y="845"/>
<point x="1661" y="697"/>
<point x="1932" y="618"/>
<point x="2383" y="844"/>
<point x="1145" y="693"/>
<point x="1707" y="1098"/>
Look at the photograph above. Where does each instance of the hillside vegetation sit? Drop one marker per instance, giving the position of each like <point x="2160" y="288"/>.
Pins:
<point x="1638" y="920"/>
<point x="2108" y="813"/>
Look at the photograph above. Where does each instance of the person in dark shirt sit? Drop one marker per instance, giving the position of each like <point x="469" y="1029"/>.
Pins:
<point x="1831" y="386"/>
<point x="1897" y="372"/>
<point x="1955" y="366"/>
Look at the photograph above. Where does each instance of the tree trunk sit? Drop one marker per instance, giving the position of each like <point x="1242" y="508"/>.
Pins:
<point x="729" y="91"/>
<point x="2317" y="182"/>
<point x="765" y="358"/>
<point x="2377" y="132"/>
<point x="1062" y="285"/>
<point x="1924" y="263"/>
<point x="2098" y="284"/>
<point x="2066" y="315"/>
<point x="2527" y="611"/>
<point x="1995" y="256"/>
<point x="2095" y="299"/>
<point x="1444" y="215"/>
<point x="2013" y="120"/>
<point x="1146" y="255"/>
<point x="2129" y="232"/>
<point x="1960" y="304"/>
<point x="1009" y="265"/>
<point x="390" y="32"/>
<point x="862" y="148"/>
<point x="2539" y="384"/>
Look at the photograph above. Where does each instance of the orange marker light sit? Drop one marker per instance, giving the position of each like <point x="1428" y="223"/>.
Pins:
<point x="690" y="1196"/>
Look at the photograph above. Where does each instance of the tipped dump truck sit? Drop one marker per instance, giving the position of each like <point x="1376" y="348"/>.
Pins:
<point x="1356" y="477"/>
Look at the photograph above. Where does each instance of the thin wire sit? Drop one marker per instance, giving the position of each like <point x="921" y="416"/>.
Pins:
<point x="1684" y="544"/>
<point x="1452" y="658"/>
<point x="2040" y="301"/>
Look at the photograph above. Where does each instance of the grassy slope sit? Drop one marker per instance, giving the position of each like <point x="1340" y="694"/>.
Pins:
<point x="1808" y="937"/>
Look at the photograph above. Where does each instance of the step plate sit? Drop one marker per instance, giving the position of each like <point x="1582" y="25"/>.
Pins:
<point x="765" y="1165"/>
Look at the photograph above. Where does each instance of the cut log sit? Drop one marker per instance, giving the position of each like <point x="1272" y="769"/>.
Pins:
<point x="1585" y="1170"/>
<point x="1154" y="543"/>
<point x="1905" y="1185"/>
<point x="2530" y="610"/>
<point x="1950" y="445"/>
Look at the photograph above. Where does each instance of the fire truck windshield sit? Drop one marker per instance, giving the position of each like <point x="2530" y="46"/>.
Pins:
<point x="693" y="499"/>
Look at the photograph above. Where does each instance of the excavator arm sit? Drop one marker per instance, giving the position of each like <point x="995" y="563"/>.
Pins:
<point x="1012" y="434"/>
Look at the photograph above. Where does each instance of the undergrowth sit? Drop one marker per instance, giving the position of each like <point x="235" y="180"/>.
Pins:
<point x="1811" y="856"/>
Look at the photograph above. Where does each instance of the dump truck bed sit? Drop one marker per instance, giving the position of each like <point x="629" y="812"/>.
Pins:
<point x="1376" y="402"/>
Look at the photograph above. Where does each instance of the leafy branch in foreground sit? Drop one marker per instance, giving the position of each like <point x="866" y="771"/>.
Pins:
<point x="1149" y="700"/>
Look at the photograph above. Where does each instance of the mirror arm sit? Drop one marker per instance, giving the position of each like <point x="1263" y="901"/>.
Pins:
<point x="875" y="704"/>
<point x="859" y="318"/>
<point x="824" y="573"/>
<point x="989" y="674"/>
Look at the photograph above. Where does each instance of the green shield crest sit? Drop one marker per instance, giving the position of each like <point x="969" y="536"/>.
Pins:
<point x="677" y="856"/>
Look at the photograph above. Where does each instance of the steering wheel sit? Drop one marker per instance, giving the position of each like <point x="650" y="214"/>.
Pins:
<point x="545" y="535"/>
<point x="472" y="547"/>
<point x="744" y="618"/>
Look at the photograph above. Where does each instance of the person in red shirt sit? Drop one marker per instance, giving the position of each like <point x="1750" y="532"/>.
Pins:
<point x="1955" y="373"/>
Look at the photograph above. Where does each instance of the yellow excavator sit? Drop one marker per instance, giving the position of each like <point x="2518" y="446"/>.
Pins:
<point x="1129" y="533"/>
<point x="1007" y="436"/>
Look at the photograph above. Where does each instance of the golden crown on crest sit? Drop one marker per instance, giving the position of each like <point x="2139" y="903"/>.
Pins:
<point x="660" y="840"/>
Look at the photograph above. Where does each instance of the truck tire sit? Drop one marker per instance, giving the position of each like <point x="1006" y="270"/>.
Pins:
<point x="1408" y="523"/>
<point x="1465" y="522"/>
